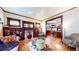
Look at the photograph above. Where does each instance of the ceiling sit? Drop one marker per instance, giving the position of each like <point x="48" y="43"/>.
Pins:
<point x="39" y="13"/>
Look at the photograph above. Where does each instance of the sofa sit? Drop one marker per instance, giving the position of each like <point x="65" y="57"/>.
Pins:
<point x="7" y="43"/>
<point x="72" y="40"/>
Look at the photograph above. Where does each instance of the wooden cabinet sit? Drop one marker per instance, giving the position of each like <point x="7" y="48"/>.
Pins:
<point x="37" y="29"/>
<point x="36" y="32"/>
<point x="13" y="31"/>
<point x="32" y="28"/>
<point x="27" y="27"/>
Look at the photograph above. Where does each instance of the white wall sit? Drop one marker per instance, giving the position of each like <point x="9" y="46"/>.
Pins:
<point x="70" y="22"/>
<point x="43" y="26"/>
<point x="2" y="15"/>
<point x="50" y="11"/>
<point x="2" y="20"/>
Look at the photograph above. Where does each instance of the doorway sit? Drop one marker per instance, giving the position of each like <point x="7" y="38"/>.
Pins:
<point x="55" y="26"/>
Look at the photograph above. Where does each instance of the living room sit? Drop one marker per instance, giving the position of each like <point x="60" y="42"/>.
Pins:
<point x="62" y="22"/>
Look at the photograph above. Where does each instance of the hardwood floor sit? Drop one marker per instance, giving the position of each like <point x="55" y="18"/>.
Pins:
<point x="22" y="46"/>
<point x="57" y="45"/>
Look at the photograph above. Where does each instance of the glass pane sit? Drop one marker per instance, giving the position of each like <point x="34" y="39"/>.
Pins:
<point x="25" y="25"/>
<point x="31" y="25"/>
<point x="12" y="22"/>
<point x="37" y="25"/>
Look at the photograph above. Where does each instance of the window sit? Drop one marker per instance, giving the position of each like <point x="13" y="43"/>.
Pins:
<point x="31" y="25"/>
<point x="13" y="22"/>
<point x="54" y="24"/>
<point x="28" y="24"/>
<point x="37" y="25"/>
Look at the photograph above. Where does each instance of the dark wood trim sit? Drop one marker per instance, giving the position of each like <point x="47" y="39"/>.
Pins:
<point x="36" y="24"/>
<point x="26" y="22"/>
<point x="54" y="18"/>
<point x="61" y="23"/>
<point x="13" y="31"/>
<point x="62" y="26"/>
<point x="9" y="19"/>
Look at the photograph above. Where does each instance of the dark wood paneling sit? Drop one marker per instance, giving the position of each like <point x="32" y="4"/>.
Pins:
<point x="11" y="31"/>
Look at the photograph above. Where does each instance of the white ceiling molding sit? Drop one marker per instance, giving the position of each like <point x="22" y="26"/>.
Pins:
<point x="37" y="13"/>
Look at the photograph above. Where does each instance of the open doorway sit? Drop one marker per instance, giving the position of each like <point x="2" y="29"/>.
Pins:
<point x="55" y="26"/>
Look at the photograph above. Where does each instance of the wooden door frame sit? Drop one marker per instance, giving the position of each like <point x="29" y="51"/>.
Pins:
<point x="61" y="23"/>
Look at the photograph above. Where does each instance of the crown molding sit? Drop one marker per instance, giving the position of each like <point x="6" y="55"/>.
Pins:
<point x="19" y="14"/>
<point x="38" y="19"/>
<point x="58" y="14"/>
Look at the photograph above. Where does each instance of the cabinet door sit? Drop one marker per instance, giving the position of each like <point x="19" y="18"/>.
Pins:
<point x="20" y="33"/>
<point x="36" y="32"/>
